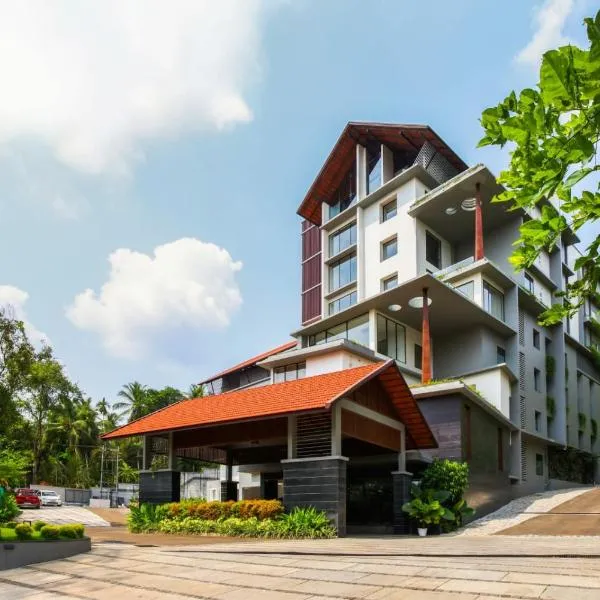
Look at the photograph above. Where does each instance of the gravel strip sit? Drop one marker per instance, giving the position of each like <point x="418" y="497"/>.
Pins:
<point x="520" y="510"/>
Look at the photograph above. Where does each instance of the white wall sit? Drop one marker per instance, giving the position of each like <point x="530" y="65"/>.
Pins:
<point x="494" y="386"/>
<point x="333" y="361"/>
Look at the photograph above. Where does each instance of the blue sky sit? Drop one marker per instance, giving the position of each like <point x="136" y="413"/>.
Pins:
<point x="193" y="123"/>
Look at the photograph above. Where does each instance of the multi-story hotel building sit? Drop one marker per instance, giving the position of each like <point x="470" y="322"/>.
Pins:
<point x="405" y="258"/>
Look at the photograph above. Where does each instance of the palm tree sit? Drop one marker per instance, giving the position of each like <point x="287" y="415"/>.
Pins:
<point x="134" y="396"/>
<point x="196" y="390"/>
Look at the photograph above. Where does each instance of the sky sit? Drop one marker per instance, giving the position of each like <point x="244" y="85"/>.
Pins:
<point x="153" y="155"/>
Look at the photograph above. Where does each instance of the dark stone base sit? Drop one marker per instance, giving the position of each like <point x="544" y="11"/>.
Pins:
<point x="18" y="554"/>
<point x="229" y="490"/>
<point x="401" y="483"/>
<point x="159" y="487"/>
<point x="318" y="482"/>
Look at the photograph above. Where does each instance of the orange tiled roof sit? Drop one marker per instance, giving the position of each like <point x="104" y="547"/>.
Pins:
<point x="252" y="361"/>
<point x="309" y="393"/>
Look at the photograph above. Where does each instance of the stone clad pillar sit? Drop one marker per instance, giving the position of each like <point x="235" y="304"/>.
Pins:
<point x="401" y="482"/>
<point x="159" y="487"/>
<point x="318" y="482"/>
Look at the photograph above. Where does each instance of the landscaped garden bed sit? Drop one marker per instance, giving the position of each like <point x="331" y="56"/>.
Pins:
<point x="246" y="518"/>
<point x="23" y="544"/>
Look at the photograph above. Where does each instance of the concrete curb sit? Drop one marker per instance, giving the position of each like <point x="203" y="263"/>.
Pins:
<point x="19" y="554"/>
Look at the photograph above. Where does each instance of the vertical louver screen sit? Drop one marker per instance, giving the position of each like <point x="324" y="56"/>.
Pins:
<point x="311" y="272"/>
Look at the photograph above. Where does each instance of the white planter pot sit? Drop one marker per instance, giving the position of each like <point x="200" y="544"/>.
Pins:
<point x="422" y="531"/>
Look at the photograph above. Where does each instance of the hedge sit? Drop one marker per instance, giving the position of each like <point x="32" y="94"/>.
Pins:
<point x="212" y="511"/>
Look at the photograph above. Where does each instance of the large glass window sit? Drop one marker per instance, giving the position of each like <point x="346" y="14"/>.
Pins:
<point x="389" y="210"/>
<point x="468" y="289"/>
<point x="433" y="250"/>
<point x="345" y="195"/>
<point x="289" y="372"/>
<point x="335" y="306"/>
<point x="389" y="248"/>
<point x="374" y="171"/>
<point x="391" y="339"/>
<point x="493" y="301"/>
<point x="342" y="239"/>
<point x="529" y="285"/>
<point x="356" y="330"/>
<point x="342" y="272"/>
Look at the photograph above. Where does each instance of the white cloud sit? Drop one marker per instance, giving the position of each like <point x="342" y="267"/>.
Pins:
<point x="92" y="81"/>
<point x="186" y="286"/>
<point x="13" y="299"/>
<point x="549" y="20"/>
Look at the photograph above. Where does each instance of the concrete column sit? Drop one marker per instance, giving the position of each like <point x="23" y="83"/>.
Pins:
<point x="146" y="451"/>
<point x="318" y="482"/>
<point x="361" y="171"/>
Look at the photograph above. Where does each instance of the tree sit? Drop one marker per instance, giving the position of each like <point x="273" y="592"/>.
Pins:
<point x="134" y="400"/>
<point x="13" y="466"/>
<point x="196" y="390"/>
<point x="555" y="130"/>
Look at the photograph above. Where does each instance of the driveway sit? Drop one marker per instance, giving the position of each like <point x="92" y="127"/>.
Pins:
<point x="59" y="515"/>
<point x="443" y="568"/>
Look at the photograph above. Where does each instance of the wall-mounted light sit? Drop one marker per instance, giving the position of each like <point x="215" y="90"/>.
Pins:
<point x="394" y="307"/>
<point x="451" y="210"/>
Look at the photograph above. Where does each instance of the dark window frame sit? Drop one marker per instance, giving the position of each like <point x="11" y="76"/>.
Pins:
<point x="429" y="237"/>
<point x="500" y="355"/>
<point x="387" y="208"/>
<point x="386" y="244"/>
<point x="386" y="280"/>
<point x="539" y="465"/>
<point x="488" y="291"/>
<point x="536" y="338"/>
<point x="537" y="378"/>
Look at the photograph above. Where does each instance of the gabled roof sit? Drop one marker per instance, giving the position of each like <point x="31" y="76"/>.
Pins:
<point x="319" y="392"/>
<point x="252" y="361"/>
<point x="397" y="136"/>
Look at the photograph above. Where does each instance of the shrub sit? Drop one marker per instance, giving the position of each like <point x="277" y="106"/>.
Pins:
<point x="10" y="525"/>
<point x="447" y="475"/>
<point x="425" y="512"/>
<point x="146" y="517"/>
<point x="37" y="525"/>
<point x="50" y="532"/>
<point x="306" y="523"/>
<point x="79" y="529"/>
<point x="8" y="507"/>
<point x="214" y="510"/>
<point x="67" y="531"/>
<point x="24" y="531"/>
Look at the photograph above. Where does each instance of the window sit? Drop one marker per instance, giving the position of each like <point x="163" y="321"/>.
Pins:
<point x="537" y="419"/>
<point x="500" y="355"/>
<point x="289" y="372"/>
<point x="356" y="330"/>
<point x="536" y="380"/>
<point x="389" y="211"/>
<point x="539" y="465"/>
<point x="536" y="339"/>
<point x="342" y="239"/>
<point x="345" y="195"/>
<point x="335" y="306"/>
<point x="529" y="285"/>
<point x="418" y="356"/>
<point x="389" y="248"/>
<point x="342" y="272"/>
<point x="468" y="289"/>
<point x="493" y="301"/>
<point x="389" y="282"/>
<point x="391" y="339"/>
<point x="374" y="171"/>
<point x="433" y="250"/>
<point x="500" y="450"/>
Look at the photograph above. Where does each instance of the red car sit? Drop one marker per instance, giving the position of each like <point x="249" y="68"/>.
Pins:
<point x="27" y="497"/>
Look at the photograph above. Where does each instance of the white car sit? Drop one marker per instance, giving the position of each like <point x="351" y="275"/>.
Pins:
<point x="49" y="498"/>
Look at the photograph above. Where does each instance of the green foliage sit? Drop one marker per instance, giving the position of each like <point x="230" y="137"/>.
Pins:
<point x="13" y="466"/>
<point x="447" y="475"/>
<point x="426" y="512"/>
<point x="50" y="532"/>
<point x="37" y="525"/>
<point x="10" y="525"/>
<point x="554" y="131"/>
<point x="300" y="523"/>
<point x="72" y="531"/>
<point x="146" y="517"/>
<point x="550" y="366"/>
<point x="582" y="421"/>
<point x="261" y="509"/>
<point x="594" y="427"/>
<point x="23" y="531"/>
<point x="550" y="407"/>
<point x="8" y="507"/>
<point x="570" y="464"/>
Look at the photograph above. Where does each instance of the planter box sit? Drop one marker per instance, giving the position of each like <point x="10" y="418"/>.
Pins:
<point x="19" y="554"/>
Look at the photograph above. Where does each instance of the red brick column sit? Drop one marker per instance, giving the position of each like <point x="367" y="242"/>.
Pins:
<point x="478" y="224"/>
<point x="425" y="342"/>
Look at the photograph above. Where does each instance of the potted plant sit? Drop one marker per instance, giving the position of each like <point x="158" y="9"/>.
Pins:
<point x="426" y="508"/>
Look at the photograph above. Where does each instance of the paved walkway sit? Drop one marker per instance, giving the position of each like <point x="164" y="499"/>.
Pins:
<point x="60" y="515"/>
<point x="446" y="568"/>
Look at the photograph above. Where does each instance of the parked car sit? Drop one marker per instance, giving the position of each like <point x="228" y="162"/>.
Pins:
<point x="49" y="498"/>
<point x="26" y="497"/>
